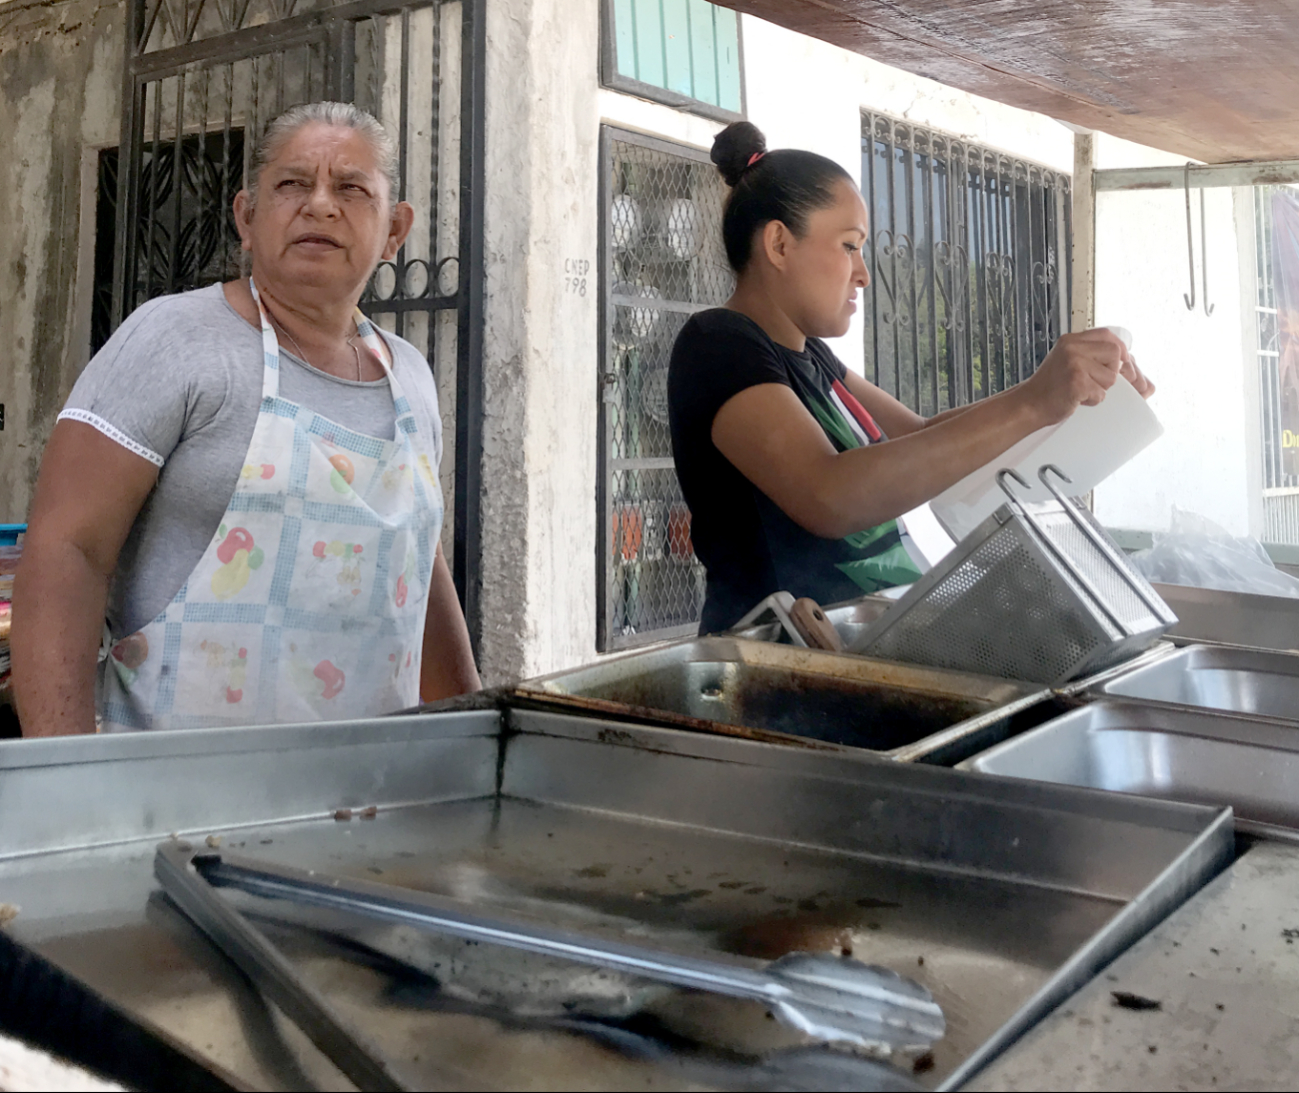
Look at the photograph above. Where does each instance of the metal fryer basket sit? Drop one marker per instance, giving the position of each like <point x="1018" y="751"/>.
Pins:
<point x="1037" y="592"/>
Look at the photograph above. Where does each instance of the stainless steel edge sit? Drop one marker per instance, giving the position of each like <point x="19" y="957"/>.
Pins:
<point x="244" y="740"/>
<point x="273" y="975"/>
<point x="966" y="733"/>
<point x="1233" y="618"/>
<point x="104" y="790"/>
<point x="1209" y="854"/>
<point x="906" y="812"/>
<point x="1079" y="687"/>
<point x="666" y="740"/>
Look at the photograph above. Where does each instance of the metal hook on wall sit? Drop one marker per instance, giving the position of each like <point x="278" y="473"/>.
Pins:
<point x="1190" y="242"/>
<point x="1189" y="300"/>
<point x="1204" y="259"/>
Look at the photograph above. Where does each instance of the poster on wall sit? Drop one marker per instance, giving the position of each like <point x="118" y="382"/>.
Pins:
<point x="1285" y="280"/>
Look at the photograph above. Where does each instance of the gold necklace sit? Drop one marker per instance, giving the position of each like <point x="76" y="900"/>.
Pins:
<point x="351" y="342"/>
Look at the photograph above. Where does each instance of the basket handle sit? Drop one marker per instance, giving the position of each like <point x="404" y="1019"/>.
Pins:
<point x="1148" y="596"/>
<point x="1010" y="472"/>
<point x="1051" y="547"/>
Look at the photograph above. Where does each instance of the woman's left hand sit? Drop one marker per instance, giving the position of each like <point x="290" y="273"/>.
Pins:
<point x="1130" y="372"/>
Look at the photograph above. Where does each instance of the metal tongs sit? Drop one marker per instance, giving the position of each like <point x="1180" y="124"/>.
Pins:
<point x="828" y="997"/>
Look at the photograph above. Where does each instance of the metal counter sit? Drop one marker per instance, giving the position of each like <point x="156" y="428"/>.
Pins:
<point x="1224" y="969"/>
<point x="1001" y="897"/>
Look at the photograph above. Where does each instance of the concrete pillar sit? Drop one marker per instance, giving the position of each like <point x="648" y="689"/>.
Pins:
<point x="541" y="343"/>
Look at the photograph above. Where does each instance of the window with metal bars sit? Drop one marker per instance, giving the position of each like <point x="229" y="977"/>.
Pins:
<point x="208" y="172"/>
<point x="969" y="254"/>
<point x="684" y="53"/>
<point x="661" y="261"/>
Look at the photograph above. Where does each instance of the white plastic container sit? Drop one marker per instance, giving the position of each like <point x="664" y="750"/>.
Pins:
<point x="1089" y="446"/>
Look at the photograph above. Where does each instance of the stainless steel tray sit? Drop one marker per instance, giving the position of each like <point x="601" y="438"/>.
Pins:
<point x="1241" y="681"/>
<point x="1161" y="751"/>
<point x="1232" y="618"/>
<point x="789" y="695"/>
<point x="1001" y="897"/>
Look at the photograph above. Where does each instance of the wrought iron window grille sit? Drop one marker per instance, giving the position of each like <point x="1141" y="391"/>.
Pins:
<point x="207" y="250"/>
<point x="661" y="261"/>
<point x="969" y="255"/>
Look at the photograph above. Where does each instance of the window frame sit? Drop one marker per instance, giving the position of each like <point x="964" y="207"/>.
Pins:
<point x="611" y="78"/>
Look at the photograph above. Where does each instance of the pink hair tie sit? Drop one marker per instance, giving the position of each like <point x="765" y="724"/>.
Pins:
<point x="754" y="159"/>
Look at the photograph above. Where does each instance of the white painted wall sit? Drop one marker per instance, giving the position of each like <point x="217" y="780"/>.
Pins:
<point x="544" y="110"/>
<point x="1205" y="462"/>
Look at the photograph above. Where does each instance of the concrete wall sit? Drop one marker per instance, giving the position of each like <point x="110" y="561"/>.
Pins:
<point x="60" y="84"/>
<point x="538" y="502"/>
<point x="1207" y="461"/>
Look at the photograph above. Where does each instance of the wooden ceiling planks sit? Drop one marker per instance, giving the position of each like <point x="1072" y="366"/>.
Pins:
<point x="1216" y="80"/>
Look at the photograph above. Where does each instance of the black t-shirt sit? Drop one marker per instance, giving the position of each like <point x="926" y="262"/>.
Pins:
<point x="748" y="545"/>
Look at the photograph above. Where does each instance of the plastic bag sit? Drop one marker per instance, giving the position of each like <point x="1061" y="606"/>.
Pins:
<point x="1196" y="551"/>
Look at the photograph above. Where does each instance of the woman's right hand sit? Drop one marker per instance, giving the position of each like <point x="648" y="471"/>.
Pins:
<point x="1079" y="371"/>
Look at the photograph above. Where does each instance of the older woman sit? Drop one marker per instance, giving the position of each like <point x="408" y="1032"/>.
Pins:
<point x="244" y="482"/>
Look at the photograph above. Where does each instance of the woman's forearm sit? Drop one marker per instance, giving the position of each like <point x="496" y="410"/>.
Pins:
<point x="447" y="667"/>
<point x="866" y="486"/>
<point x="58" y="620"/>
<point x="771" y="438"/>
<point x="957" y="411"/>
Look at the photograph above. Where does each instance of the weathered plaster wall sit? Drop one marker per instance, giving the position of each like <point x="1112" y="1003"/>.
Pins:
<point x="60" y="74"/>
<point x="540" y="354"/>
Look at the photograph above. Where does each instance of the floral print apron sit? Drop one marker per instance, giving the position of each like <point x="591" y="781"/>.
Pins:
<point x="309" y="602"/>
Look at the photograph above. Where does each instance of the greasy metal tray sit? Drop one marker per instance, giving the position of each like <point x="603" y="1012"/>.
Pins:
<point x="1240" y="681"/>
<point x="1000" y="896"/>
<point x="785" y="694"/>
<point x="1163" y="751"/>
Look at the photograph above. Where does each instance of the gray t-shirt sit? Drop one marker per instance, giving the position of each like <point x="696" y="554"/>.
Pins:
<point x="179" y="383"/>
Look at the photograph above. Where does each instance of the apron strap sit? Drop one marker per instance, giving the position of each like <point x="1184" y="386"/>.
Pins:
<point x="374" y="342"/>
<point x="270" y="350"/>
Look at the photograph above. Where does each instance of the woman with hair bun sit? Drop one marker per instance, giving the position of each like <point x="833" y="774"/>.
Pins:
<point x="795" y="468"/>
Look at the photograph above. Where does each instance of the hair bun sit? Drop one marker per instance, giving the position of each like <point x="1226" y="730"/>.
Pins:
<point x="734" y="147"/>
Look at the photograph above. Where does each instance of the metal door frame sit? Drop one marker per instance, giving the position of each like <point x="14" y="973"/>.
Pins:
<point x="333" y="27"/>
